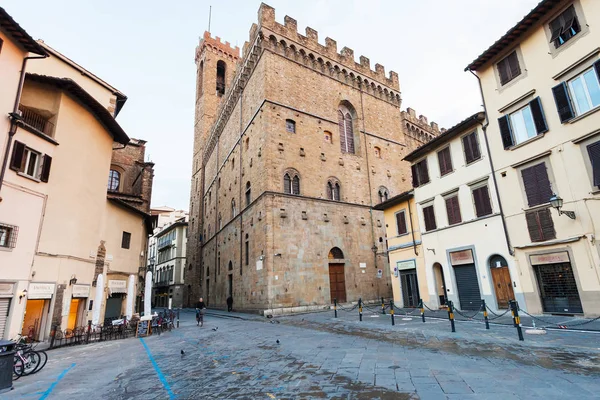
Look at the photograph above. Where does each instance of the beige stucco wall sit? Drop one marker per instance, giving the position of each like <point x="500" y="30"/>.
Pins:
<point x="566" y="161"/>
<point x="403" y="248"/>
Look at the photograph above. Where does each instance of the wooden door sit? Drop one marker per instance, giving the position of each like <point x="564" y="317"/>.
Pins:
<point x="502" y="286"/>
<point x="337" y="282"/>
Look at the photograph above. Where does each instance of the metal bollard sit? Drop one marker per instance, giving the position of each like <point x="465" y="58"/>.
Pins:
<point x="392" y="311"/>
<point x="89" y="329"/>
<point x="178" y="318"/>
<point x="422" y="309"/>
<point x="451" y="315"/>
<point x="52" y="334"/>
<point x="512" y="311"/>
<point x="382" y="306"/>
<point x="515" y="309"/>
<point x="360" y="309"/>
<point x="335" y="307"/>
<point x="485" y="314"/>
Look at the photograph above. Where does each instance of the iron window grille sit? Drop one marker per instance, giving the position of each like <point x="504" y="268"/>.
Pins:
<point x="8" y="236"/>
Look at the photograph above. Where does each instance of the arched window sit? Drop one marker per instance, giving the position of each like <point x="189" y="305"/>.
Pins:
<point x="328" y="137"/>
<point x="230" y="268"/>
<point x="336" y="253"/>
<point x="221" y="68"/>
<point x="377" y="152"/>
<point x="246" y="252"/>
<point x="290" y="126"/>
<point x="232" y="208"/>
<point x="114" y="180"/>
<point x="333" y="189"/>
<point x="200" y="78"/>
<point x="248" y="193"/>
<point x="384" y="194"/>
<point x="346" y="128"/>
<point x="291" y="182"/>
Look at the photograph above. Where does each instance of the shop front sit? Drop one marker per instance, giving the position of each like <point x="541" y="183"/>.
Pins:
<point x="556" y="283"/>
<point x="77" y="308"/>
<point x="6" y="295"/>
<point x="409" y="284"/>
<point x="467" y="283"/>
<point x="117" y="290"/>
<point x="37" y="310"/>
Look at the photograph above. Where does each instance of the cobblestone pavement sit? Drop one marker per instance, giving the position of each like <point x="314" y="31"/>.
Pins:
<point x="316" y="357"/>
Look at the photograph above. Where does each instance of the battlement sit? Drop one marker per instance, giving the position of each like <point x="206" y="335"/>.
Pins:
<point x="419" y="127"/>
<point x="216" y="45"/>
<point x="310" y="40"/>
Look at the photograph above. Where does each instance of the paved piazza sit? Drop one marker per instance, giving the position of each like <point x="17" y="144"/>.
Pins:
<point x="321" y="357"/>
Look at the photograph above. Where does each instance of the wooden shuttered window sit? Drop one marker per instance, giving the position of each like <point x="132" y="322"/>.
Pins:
<point x="509" y="68"/>
<point x="539" y="121"/>
<point x="471" y="147"/>
<point x="563" y="102"/>
<point x="46" y="164"/>
<point x="537" y="184"/>
<point x="17" y="161"/>
<point x="126" y="240"/>
<point x="295" y="185"/>
<point x="505" y="131"/>
<point x="346" y="132"/>
<point x="483" y="204"/>
<point x="594" y="153"/>
<point x="401" y="222"/>
<point x="445" y="161"/>
<point x="540" y="225"/>
<point x="420" y="173"/>
<point x="429" y="216"/>
<point x="287" y="184"/>
<point x="453" y="210"/>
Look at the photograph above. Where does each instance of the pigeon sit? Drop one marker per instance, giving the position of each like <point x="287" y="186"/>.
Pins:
<point x="215" y="328"/>
<point x="278" y="342"/>
<point x="182" y="352"/>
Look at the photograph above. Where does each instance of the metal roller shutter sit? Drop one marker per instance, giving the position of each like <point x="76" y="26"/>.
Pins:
<point x="4" y="308"/>
<point x="468" y="287"/>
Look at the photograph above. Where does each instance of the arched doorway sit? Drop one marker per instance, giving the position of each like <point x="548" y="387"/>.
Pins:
<point x="440" y="283"/>
<point x="337" y="277"/>
<point x="501" y="280"/>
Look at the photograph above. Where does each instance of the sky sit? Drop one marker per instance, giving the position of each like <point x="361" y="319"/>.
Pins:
<point x="146" y="50"/>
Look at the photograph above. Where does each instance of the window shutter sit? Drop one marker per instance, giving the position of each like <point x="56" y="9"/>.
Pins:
<point x="349" y="134"/>
<point x="483" y="205"/>
<point x="296" y="185"/>
<point x="535" y="234"/>
<point x="445" y="161"/>
<point x="453" y="209"/>
<point x="546" y="224"/>
<point x="329" y="191"/>
<point x="563" y="102"/>
<point x="46" y="163"/>
<point x="594" y="152"/>
<point x="336" y="192"/>
<point x="342" y="128"/>
<point x="538" y="115"/>
<point x="287" y="184"/>
<point x="476" y="153"/>
<point x="513" y="65"/>
<point x="415" y="177"/>
<point x="503" y="71"/>
<point x="597" y="68"/>
<point x="423" y="172"/>
<point x="429" y="217"/>
<point x="505" y="132"/>
<point x="537" y="184"/>
<point x="17" y="161"/>
<point x="467" y="149"/>
<point x="401" y="223"/>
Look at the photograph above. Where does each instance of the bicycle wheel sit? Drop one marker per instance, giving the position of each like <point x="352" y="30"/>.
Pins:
<point x="17" y="368"/>
<point x="32" y="360"/>
<point x="43" y="360"/>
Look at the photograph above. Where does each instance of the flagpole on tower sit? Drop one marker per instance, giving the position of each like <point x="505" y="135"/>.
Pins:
<point x="209" y="16"/>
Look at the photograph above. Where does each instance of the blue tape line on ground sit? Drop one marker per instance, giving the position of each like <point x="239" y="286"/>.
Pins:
<point x="158" y="371"/>
<point x="51" y="388"/>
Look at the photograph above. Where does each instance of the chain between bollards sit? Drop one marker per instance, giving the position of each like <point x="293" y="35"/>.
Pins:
<point x="451" y="315"/>
<point x="335" y="307"/>
<point x="360" y="309"/>
<point x="514" y="306"/>
<point x="485" y="315"/>
<point x="382" y="306"/>
<point x="422" y="309"/>
<point x="392" y="311"/>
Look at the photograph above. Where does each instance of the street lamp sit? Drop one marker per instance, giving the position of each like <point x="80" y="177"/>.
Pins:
<point x="557" y="202"/>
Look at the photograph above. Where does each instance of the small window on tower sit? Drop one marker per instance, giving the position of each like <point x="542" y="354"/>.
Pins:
<point x="221" y="68"/>
<point x="377" y="152"/>
<point x="327" y="137"/>
<point x="290" y="125"/>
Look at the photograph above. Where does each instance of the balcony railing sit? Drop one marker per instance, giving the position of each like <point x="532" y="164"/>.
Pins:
<point x="37" y="121"/>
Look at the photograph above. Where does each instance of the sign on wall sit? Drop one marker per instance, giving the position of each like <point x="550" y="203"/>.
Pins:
<point x="462" y="257"/>
<point x="552" y="258"/>
<point x="379" y="273"/>
<point x="362" y="265"/>
<point x="259" y="265"/>
<point x="116" y="286"/>
<point x="40" y="290"/>
<point x="81" y="291"/>
<point x="408" y="264"/>
<point x="6" y="289"/>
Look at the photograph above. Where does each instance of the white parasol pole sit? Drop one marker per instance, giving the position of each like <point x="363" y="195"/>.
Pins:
<point x="98" y="299"/>
<point x="148" y="294"/>
<point x="130" y="296"/>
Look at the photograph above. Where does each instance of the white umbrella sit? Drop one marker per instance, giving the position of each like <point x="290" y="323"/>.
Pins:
<point x="130" y="295"/>
<point x="98" y="299"/>
<point x="148" y="294"/>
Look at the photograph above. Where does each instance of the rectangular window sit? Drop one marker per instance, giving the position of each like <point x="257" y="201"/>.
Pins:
<point x="471" y="147"/>
<point x="401" y="223"/>
<point x="429" y="216"/>
<point x="420" y="173"/>
<point x="483" y="204"/>
<point x="509" y="68"/>
<point x="290" y="126"/>
<point x="126" y="240"/>
<point x="564" y="27"/>
<point x="584" y="91"/>
<point x="540" y="225"/>
<point x="523" y="124"/>
<point x="247" y="255"/>
<point x="453" y="210"/>
<point x="538" y="189"/>
<point x="30" y="162"/>
<point x="594" y="153"/>
<point x="8" y="235"/>
<point x="445" y="161"/>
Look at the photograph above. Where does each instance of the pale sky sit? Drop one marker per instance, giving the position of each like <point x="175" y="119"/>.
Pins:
<point x="146" y="50"/>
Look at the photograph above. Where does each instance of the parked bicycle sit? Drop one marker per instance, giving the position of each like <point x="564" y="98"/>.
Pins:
<point x="27" y="361"/>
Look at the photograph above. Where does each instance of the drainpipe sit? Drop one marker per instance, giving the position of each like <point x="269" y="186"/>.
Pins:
<point x="15" y="117"/>
<point x="412" y="230"/>
<point x="487" y="144"/>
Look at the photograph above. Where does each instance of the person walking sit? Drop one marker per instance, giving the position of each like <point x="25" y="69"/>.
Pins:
<point x="200" y="310"/>
<point x="229" y="304"/>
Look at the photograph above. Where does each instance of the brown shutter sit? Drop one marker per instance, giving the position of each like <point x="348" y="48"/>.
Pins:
<point x="476" y="152"/>
<point x="401" y="222"/>
<point x="503" y="71"/>
<point x="296" y="185"/>
<point x="453" y="209"/>
<point x="445" y="161"/>
<point x="483" y="205"/>
<point x="546" y="224"/>
<point x="535" y="234"/>
<point x="597" y="68"/>
<point x="423" y="172"/>
<point x="594" y="152"/>
<point x="513" y="65"/>
<point x="429" y="216"/>
<point x="563" y="102"/>
<point x="342" y="129"/>
<point x="505" y="132"/>
<point x="415" y="177"/>
<point x="18" y="160"/>
<point x="537" y="184"/>
<point x="538" y="115"/>
<point x="349" y="133"/>
<point x="287" y="184"/>
<point x="46" y="163"/>
<point x="329" y="191"/>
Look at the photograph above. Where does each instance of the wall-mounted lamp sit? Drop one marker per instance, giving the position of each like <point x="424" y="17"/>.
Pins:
<point x="277" y="255"/>
<point x="557" y="202"/>
<point x="23" y="294"/>
<point x="261" y="258"/>
<point x="73" y="280"/>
